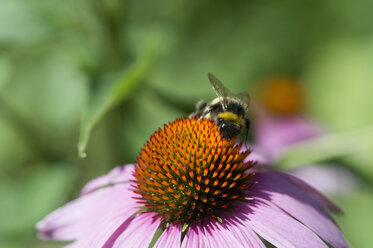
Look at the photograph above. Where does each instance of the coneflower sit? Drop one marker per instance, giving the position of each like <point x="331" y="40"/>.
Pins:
<point x="191" y="188"/>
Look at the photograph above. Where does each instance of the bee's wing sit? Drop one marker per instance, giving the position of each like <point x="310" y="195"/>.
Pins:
<point x="219" y="89"/>
<point x="244" y="97"/>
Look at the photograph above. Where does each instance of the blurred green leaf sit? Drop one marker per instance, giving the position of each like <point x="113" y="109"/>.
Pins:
<point x="330" y="146"/>
<point x="43" y="101"/>
<point x="32" y="195"/>
<point x="240" y="42"/>
<point x="356" y="224"/>
<point x="5" y="71"/>
<point x="341" y="84"/>
<point x="18" y="24"/>
<point x="11" y="138"/>
<point x="112" y="94"/>
<point x="147" y="113"/>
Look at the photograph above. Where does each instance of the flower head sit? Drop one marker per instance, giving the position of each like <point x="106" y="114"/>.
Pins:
<point x="187" y="172"/>
<point x="197" y="190"/>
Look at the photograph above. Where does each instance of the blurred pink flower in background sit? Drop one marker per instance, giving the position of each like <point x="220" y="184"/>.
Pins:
<point x="280" y="121"/>
<point x="200" y="191"/>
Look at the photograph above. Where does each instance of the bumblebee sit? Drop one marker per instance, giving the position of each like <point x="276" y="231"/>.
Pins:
<point x="229" y="111"/>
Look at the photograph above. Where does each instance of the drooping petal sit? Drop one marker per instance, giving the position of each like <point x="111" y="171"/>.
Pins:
<point x="285" y="195"/>
<point x="312" y="192"/>
<point x="327" y="178"/>
<point x="120" y="174"/>
<point x="90" y="219"/>
<point x="277" y="227"/>
<point x="170" y="238"/>
<point x="138" y="233"/>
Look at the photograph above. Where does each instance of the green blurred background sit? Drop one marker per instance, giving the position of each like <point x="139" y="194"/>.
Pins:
<point x="105" y="74"/>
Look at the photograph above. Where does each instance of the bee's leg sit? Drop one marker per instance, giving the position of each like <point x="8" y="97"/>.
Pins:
<point x="247" y="124"/>
<point x="200" y="107"/>
<point x="247" y="127"/>
<point x="209" y="110"/>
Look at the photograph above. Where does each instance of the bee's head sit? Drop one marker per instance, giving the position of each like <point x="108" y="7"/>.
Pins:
<point x="228" y="128"/>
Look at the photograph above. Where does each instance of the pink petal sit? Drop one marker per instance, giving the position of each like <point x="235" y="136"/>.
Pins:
<point x="103" y="232"/>
<point x="213" y="234"/>
<point x="273" y="132"/>
<point x="327" y="178"/>
<point x="138" y="233"/>
<point x="244" y="234"/>
<point x="312" y="192"/>
<point x="298" y="204"/>
<point x="120" y="174"/>
<point x="170" y="238"/>
<point x="90" y="218"/>
<point x="277" y="227"/>
<point x="256" y="156"/>
<point x="191" y="237"/>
